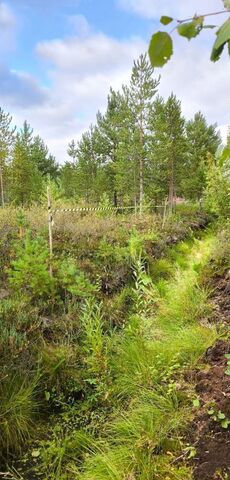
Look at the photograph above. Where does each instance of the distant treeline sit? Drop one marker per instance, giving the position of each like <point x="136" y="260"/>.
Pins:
<point x="140" y="149"/>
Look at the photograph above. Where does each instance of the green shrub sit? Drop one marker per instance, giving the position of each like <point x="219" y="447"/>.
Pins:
<point x="136" y="246"/>
<point x="72" y="280"/>
<point x="29" y="272"/>
<point x="111" y="254"/>
<point x="218" y="188"/>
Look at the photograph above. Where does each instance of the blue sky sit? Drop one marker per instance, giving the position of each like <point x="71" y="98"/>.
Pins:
<point x="48" y="19"/>
<point x="59" y="57"/>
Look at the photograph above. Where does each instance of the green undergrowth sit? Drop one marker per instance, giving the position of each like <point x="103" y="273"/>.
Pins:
<point x="151" y="355"/>
<point x="138" y="403"/>
<point x="99" y="359"/>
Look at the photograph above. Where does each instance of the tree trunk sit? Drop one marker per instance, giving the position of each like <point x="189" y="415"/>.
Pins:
<point x="2" y="188"/>
<point x="141" y="172"/>
<point x="115" y="198"/>
<point x="171" y="184"/>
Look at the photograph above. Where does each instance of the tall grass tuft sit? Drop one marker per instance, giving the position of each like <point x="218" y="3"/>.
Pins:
<point x="18" y="406"/>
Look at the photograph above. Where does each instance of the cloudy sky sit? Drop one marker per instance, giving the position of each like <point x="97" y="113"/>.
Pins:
<point x="59" y="58"/>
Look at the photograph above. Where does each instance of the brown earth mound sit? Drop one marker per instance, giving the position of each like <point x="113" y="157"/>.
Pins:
<point x="211" y="440"/>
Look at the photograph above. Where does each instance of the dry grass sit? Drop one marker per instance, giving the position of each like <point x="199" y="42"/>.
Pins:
<point x="78" y="225"/>
<point x="75" y="224"/>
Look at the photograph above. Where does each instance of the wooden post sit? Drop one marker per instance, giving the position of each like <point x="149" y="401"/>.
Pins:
<point x="2" y="188"/>
<point x="50" y="221"/>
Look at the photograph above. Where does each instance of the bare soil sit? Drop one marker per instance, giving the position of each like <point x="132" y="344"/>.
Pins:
<point x="211" y="440"/>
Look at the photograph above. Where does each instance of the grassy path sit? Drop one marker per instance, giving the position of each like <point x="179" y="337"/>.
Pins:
<point x="144" y="402"/>
<point x="152" y="356"/>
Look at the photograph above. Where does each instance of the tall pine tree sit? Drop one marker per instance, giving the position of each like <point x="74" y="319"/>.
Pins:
<point x="7" y="137"/>
<point x="202" y="139"/>
<point x="45" y="162"/>
<point x="26" y="180"/>
<point x="141" y="93"/>
<point x="169" y="144"/>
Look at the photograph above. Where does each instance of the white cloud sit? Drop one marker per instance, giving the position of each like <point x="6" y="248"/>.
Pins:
<point x="81" y="70"/>
<point x="177" y="8"/>
<point x="198" y="83"/>
<point x="81" y="74"/>
<point x="7" y="18"/>
<point x="97" y="53"/>
<point x="7" y="29"/>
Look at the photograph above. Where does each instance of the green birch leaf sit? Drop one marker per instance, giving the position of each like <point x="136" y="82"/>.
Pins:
<point x="216" y="53"/>
<point x="191" y="29"/>
<point x="223" y="37"/>
<point x="160" y="49"/>
<point x="166" y="20"/>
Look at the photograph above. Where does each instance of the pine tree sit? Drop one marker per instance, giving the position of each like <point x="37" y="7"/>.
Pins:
<point x="6" y="142"/>
<point x="202" y="139"/>
<point x="72" y="150"/>
<point x="68" y="173"/>
<point x="169" y="144"/>
<point x="141" y="92"/>
<point x="45" y="162"/>
<point x="68" y="180"/>
<point x="127" y="163"/>
<point x="79" y="177"/>
<point x="26" y="180"/>
<point x="110" y="131"/>
<point x="87" y="165"/>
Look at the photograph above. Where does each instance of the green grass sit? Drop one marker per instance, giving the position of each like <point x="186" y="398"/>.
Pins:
<point x="151" y="355"/>
<point x="18" y="407"/>
<point x="132" y="378"/>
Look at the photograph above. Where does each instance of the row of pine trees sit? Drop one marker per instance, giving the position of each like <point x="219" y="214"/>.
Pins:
<point x="140" y="149"/>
